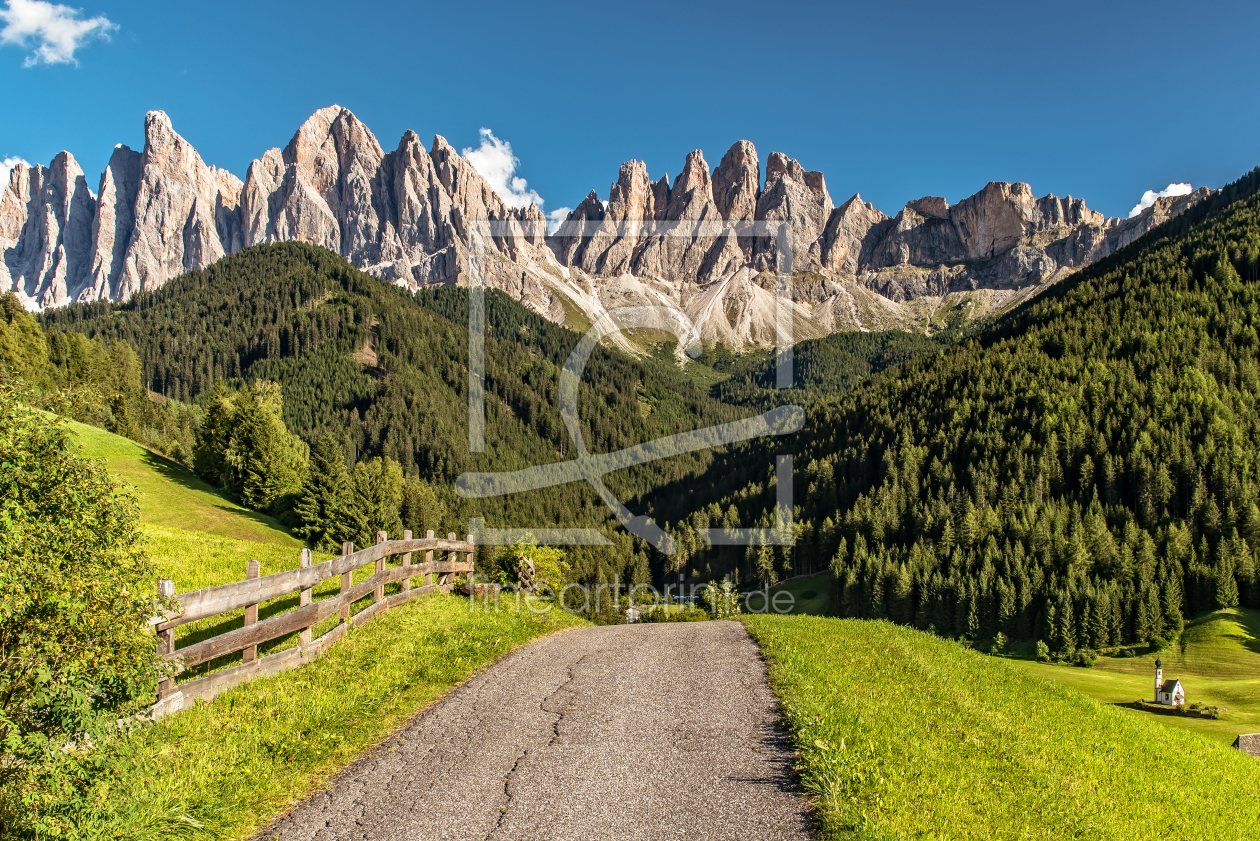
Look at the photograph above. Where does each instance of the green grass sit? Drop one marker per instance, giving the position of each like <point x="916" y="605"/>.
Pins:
<point x="223" y="769"/>
<point x="197" y="537"/>
<point x="173" y="497"/>
<point x="812" y="595"/>
<point x="1217" y="661"/>
<point x="904" y="735"/>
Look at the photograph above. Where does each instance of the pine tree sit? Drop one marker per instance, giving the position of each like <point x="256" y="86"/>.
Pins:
<point x="1225" y="586"/>
<point x="1144" y="623"/>
<point x="1067" y="627"/>
<point x="378" y="496"/>
<point x="325" y="509"/>
<point x="421" y="511"/>
<point x="1006" y="607"/>
<point x="902" y="597"/>
<point x="1171" y="603"/>
<point x="1099" y="632"/>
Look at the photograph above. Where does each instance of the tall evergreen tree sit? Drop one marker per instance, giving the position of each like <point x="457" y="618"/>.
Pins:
<point x="325" y="511"/>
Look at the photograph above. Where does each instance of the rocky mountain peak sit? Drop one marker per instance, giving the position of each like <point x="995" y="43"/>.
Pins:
<point x="932" y="207"/>
<point x="409" y="216"/>
<point x="800" y="199"/>
<point x="692" y="189"/>
<point x="737" y="182"/>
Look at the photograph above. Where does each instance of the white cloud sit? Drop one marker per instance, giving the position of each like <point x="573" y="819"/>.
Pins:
<point x="1149" y="197"/>
<point x="5" y="167"/>
<point x="556" y="218"/>
<point x="56" y="30"/>
<point x="496" y="163"/>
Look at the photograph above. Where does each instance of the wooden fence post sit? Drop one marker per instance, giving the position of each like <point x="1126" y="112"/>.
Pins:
<point x="378" y="595"/>
<point x="449" y="557"/>
<point x="429" y="577"/>
<point x="305" y="598"/>
<point x="406" y="561"/>
<point x="472" y="574"/>
<point x="250" y="654"/>
<point x="347" y="548"/>
<point x="166" y="639"/>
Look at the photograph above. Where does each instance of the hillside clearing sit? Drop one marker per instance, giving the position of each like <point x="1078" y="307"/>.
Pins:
<point x="196" y="536"/>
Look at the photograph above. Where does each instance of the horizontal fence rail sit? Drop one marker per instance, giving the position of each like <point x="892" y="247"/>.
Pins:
<point x="436" y="576"/>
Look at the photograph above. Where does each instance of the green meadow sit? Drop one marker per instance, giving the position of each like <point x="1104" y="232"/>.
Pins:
<point x="1217" y="660"/>
<point x="905" y="735"/>
<point x="223" y="769"/>
<point x="197" y="537"/>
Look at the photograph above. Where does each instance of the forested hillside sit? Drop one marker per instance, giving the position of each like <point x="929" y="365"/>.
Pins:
<point x="383" y="373"/>
<point x="1084" y="473"/>
<point x="824" y="367"/>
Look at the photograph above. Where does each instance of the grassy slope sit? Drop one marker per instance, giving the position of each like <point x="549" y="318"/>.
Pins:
<point x="223" y="769"/>
<point x="905" y="735"/>
<point x="198" y="537"/>
<point x="1217" y="660"/>
<point x="812" y="595"/>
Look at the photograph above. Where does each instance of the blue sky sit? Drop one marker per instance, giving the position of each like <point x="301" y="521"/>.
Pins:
<point x="1099" y="100"/>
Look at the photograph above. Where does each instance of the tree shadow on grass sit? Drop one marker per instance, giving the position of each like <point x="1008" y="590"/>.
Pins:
<point x="180" y="475"/>
<point x="1160" y="709"/>
<point x="1247" y="618"/>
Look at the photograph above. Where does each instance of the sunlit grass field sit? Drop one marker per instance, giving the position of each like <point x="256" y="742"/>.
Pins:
<point x="905" y="735"/>
<point x="197" y="537"/>
<point x="1217" y="661"/>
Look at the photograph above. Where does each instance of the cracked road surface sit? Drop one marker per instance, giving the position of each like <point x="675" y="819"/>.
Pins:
<point x="619" y="732"/>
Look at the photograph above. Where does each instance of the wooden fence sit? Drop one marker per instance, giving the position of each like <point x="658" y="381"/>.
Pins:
<point x="435" y="576"/>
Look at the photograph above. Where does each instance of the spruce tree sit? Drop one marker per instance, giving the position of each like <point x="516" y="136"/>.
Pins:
<point x="420" y="510"/>
<point x="325" y="509"/>
<point x="1226" y="587"/>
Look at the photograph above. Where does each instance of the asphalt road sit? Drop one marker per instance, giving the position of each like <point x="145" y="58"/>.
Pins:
<point x="663" y="731"/>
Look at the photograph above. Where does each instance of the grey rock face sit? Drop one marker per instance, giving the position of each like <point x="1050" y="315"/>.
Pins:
<point x="800" y="199"/>
<point x="179" y="208"/>
<point x="115" y="219"/>
<point x="411" y="216"/>
<point x="47" y="231"/>
<point x="852" y="233"/>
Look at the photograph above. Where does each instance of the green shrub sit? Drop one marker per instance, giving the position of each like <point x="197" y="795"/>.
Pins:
<point x="722" y="602"/>
<point x="76" y="652"/>
<point x="662" y="613"/>
<point x="1043" y="652"/>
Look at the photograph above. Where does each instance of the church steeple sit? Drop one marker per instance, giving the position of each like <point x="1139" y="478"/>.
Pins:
<point x="1159" y="678"/>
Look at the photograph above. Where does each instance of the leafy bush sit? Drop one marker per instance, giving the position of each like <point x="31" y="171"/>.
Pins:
<point x="1043" y="652"/>
<point x="76" y="653"/>
<point x="722" y="601"/>
<point x="551" y="570"/>
<point x="662" y="613"/>
<point x="1085" y="658"/>
<point x="999" y="644"/>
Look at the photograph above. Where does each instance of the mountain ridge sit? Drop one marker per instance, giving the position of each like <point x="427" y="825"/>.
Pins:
<point x="408" y="216"/>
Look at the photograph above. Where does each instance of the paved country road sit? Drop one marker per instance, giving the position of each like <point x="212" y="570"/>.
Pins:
<point x="663" y="731"/>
